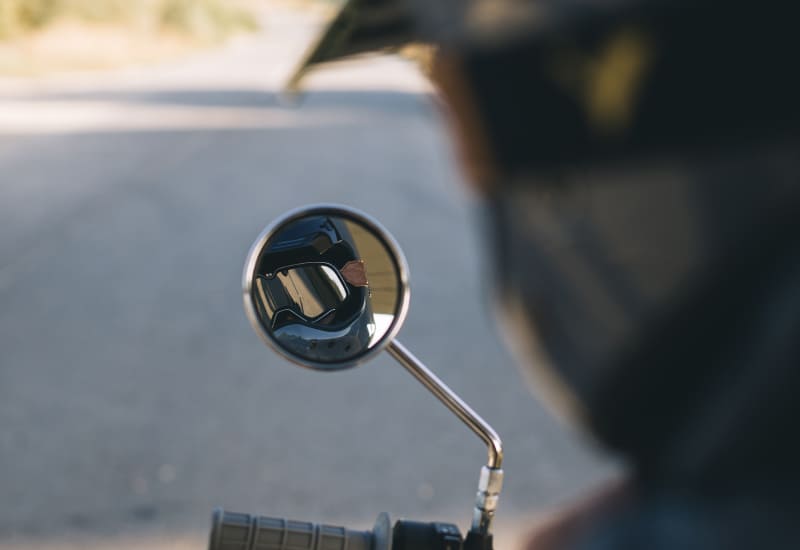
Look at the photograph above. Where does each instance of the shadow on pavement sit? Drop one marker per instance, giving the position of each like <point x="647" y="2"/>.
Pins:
<point x="379" y="101"/>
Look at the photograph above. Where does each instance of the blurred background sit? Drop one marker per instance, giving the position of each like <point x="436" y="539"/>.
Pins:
<point x="143" y="147"/>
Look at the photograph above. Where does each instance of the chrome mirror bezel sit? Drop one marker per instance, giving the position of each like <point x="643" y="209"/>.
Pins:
<point x="347" y="212"/>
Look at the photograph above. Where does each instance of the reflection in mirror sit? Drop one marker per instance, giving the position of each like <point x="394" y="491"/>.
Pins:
<point x="326" y="288"/>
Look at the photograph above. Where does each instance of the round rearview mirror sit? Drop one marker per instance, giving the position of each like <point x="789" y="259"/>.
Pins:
<point x="326" y="286"/>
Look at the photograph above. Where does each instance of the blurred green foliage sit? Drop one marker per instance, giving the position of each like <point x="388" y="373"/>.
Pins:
<point x="205" y="19"/>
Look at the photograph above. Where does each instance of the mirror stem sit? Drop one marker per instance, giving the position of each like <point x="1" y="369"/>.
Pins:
<point x="491" y="475"/>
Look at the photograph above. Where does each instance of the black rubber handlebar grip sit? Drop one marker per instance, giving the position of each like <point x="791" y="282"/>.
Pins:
<point x="232" y="531"/>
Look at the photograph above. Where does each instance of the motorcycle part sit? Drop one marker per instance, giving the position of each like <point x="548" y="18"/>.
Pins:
<point x="417" y="534"/>
<point x="326" y="286"/>
<point x="234" y="531"/>
<point x="491" y="480"/>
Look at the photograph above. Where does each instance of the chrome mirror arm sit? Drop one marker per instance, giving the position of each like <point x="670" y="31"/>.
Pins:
<point x="491" y="480"/>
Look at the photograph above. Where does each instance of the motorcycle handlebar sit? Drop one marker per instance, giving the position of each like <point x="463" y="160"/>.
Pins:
<point x="234" y="531"/>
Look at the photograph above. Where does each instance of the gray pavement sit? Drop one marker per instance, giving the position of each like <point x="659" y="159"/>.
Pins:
<point x="134" y="396"/>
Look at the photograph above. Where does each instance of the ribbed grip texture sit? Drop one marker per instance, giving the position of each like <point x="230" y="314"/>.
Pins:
<point x="232" y="531"/>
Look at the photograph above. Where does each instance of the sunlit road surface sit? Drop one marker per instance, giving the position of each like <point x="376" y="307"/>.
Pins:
<point x="134" y="396"/>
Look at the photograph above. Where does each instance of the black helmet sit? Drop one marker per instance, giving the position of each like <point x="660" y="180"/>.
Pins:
<point x="300" y="288"/>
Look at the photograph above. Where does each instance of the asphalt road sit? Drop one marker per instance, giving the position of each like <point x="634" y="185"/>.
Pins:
<point x="134" y="396"/>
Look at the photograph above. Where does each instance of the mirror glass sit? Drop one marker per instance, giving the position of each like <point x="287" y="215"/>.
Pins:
<point x="326" y="286"/>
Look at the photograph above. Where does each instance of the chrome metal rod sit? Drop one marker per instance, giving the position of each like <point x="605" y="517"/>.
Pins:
<point x="452" y="401"/>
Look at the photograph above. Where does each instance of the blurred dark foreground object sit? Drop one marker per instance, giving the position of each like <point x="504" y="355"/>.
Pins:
<point x="641" y="165"/>
<point x="565" y="82"/>
<point x="660" y="303"/>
